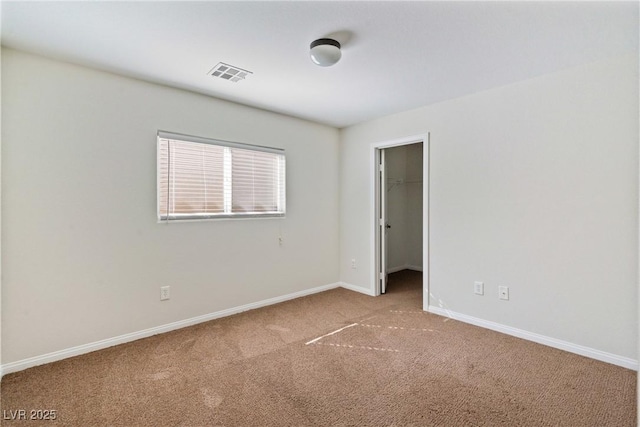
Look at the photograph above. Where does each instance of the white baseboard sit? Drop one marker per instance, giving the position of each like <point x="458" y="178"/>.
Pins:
<point x="404" y="267"/>
<point x="592" y="353"/>
<point x="357" y="289"/>
<point x="109" y="342"/>
<point x="98" y="345"/>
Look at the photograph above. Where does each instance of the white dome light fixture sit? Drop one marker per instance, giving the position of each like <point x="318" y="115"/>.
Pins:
<point x="325" y="52"/>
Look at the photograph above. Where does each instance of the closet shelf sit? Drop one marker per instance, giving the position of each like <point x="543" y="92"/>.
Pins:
<point x="402" y="181"/>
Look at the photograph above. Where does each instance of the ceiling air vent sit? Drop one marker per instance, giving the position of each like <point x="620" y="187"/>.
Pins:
<point x="229" y="72"/>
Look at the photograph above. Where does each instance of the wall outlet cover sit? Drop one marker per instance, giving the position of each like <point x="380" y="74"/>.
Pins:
<point x="478" y="288"/>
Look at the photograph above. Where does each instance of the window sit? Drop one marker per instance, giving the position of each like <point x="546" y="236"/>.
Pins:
<point x="201" y="178"/>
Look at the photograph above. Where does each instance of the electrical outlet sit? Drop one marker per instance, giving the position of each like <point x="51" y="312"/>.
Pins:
<point x="353" y="263"/>
<point x="164" y="293"/>
<point x="503" y="292"/>
<point x="478" y="288"/>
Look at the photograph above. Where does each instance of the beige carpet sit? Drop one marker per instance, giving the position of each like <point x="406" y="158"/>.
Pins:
<point x="391" y="365"/>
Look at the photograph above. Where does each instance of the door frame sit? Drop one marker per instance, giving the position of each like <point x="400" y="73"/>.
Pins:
<point x="375" y="239"/>
<point x="382" y="245"/>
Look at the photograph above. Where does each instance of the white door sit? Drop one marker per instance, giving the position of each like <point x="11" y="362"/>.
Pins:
<point x="382" y="223"/>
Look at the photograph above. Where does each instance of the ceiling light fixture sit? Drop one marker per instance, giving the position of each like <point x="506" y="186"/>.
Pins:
<point x="325" y="52"/>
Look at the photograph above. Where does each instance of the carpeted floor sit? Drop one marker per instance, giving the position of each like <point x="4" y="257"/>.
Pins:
<point x="388" y="364"/>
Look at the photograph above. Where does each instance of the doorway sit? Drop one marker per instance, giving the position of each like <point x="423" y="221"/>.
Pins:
<point x="401" y="211"/>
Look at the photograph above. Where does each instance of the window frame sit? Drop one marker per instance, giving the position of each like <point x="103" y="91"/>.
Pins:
<point x="228" y="196"/>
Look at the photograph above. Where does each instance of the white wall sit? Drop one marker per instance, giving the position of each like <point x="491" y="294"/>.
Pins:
<point x="414" y="205"/>
<point x="83" y="256"/>
<point x="532" y="185"/>
<point x="0" y="205"/>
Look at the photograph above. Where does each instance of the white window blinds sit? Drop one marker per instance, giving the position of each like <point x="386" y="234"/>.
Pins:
<point x="202" y="178"/>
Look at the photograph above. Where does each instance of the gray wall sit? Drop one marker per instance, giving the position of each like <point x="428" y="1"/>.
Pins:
<point x="533" y="186"/>
<point x="83" y="255"/>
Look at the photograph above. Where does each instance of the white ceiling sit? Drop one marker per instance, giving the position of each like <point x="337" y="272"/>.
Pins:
<point x="396" y="55"/>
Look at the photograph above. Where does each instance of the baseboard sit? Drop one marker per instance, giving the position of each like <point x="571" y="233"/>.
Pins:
<point x="357" y="289"/>
<point x="99" y="345"/>
<point x="404" y="267"/>
<point x="592" y="353"/>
